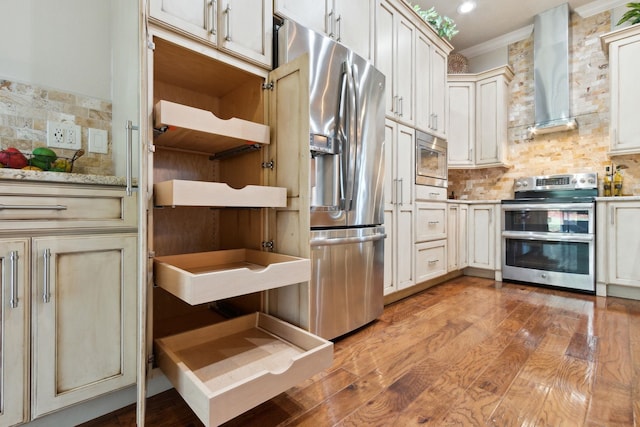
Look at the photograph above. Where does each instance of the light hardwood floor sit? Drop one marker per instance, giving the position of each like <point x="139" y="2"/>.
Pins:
<point x="470" y="352"/>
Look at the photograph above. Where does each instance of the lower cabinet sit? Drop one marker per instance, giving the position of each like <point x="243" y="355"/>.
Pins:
<point x="68" y="271"/>
<point x="430" y="240"/>
<point x="484" y="224"/>
<point x="618" y="244"/>
<point x="457" y="217"/>
<point x="82" y="304"/>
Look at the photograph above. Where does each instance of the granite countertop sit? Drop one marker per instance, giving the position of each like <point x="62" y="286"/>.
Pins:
<point x="618" y="199"/>
<point x="60" y="177"/>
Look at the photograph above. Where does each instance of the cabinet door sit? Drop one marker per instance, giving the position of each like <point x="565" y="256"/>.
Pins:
<point x="463" y="241"/>
<point x="482" y="236"/>
<point x="354" y="25"/>
<point x="385" y="47"/>
<point x="624" y="244"/>
<point x="194" y="17"/>
<point x="462" y="124"/>
<point x="289" y="228"/>
<point x="310" y="13"/>
<point x="390" y="188"/>
<point x="453" y="237"/>
<point x="83" y="318"/>
<point x="404" y="68"/>
<point x="625" y="95"/>
<point x="490" y="125"/>
<point x="438" y="92"/>
<point x="126" y="83"/>
<point x="404" y="230"/>
<point x="246" y="29"/>
<point x="14" y="332"/>
<point x="424" y="116"/>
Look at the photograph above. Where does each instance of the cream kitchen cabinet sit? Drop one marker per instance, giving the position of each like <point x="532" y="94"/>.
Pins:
<point x="484" y="224"/>
<point x="398" y="207"/>
<point x="478" y="118"/>
<point x="14" y="330"/>
<point x="69" y="274"/>
<point x="395" y="58"/>
<point x="623" y="48"/>
<point x="457" y="218"/>
<point x="430" y="240"/>
<point x="242" y="28"/>
<point x="618" y="245"/>
<point x="349" y="22"/>
<point x="228" y="226"/>
<point x="431" y="83"/>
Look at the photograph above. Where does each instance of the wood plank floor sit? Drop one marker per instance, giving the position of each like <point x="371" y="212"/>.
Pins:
<point x="470" y="352"/>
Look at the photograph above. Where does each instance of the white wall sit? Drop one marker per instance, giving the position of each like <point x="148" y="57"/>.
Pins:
<point x="489" y="60"/>
<point x="54" y="48"/>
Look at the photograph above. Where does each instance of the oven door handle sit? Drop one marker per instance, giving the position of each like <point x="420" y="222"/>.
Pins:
<point x="558" y="237"/>
<point x="546" y="206"/>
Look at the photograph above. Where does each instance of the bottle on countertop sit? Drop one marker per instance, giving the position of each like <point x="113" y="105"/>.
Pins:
<point x="617" y="182"/>
<point x="607" y="183"/>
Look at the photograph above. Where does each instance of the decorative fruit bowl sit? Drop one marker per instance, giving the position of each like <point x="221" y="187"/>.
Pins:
<point x="41" y="159"/>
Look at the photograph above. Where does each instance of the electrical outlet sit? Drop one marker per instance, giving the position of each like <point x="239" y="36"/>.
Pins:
<point x="64" y="135"/>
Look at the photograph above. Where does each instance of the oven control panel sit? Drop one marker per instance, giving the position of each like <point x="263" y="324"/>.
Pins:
<point x="557" y="182"/>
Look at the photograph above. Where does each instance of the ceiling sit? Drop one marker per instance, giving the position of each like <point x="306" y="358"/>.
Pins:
<point x="492" y="19"/>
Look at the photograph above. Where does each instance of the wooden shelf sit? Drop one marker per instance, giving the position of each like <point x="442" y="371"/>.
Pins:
<point x="208" y="276"/>
<point x="199" y="193"/>
<point x="193" y="129"/>
<point x="225" y="369"/>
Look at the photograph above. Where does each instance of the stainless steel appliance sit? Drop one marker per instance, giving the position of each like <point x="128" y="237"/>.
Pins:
<point x="347" y="170"/>
<point x="431" y="160"/>
<point x="548" y="231"/>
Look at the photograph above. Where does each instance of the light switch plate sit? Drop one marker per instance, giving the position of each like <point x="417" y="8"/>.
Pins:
<point x="98" y="141"/>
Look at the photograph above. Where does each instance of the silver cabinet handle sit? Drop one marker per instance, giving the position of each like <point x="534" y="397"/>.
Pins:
<point x="400" y="106"/>
<point x="129" y="166"/>
<point x="46" y="285"/>
<point x="434" y="195"/>
<point x="401" y="182"/>
<point x="213" y="5"/>
<point x="339" y="25"/>
<point x="331" y="23"/>
<point x="34" y="207"/>
<point x="13" y="278"/>
<point x="227" y="17"/>
<point x="433" y="261"/>
<point x="612" y="213"/>
<point x="433" y="222"/>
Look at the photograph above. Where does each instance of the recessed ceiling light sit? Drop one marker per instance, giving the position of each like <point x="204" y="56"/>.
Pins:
<point x="466" y="6"/>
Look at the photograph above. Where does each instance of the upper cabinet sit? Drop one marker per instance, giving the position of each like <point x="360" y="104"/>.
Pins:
<point x="348" y="21"/>
<point x="623" y="48"/>
<point x="395" y="57"/>
<point x="431" y="83"/>
<point x="478" y="118"/>
<point x="241" y="28"/>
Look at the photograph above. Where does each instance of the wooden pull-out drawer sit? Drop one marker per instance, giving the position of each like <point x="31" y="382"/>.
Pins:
<point x="228" y="368"/>
<point x="197" y="193"/>
<point x="208" y="276"/>
<point x="34" y="207"/>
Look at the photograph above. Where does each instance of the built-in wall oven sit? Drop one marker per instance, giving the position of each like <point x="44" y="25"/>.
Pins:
<point x="548" y="231"/>
<point x="431" y="160"/>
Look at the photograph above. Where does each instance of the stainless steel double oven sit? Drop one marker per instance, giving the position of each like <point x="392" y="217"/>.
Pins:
<point x="548" y="232"/>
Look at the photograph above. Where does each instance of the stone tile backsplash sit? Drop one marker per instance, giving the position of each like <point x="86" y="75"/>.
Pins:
<point x="582" y="150"/>
<point x="26" y="108"/>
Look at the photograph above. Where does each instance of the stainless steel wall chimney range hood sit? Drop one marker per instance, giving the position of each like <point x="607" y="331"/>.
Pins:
<point x="551" y="71"/>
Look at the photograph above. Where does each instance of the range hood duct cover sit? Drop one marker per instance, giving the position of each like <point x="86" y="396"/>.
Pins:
<point x="551" y="71"/>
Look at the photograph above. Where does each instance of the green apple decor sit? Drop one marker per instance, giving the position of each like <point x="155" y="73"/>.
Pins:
<point x="444" y="26"/>
<point x="632" y="15"/>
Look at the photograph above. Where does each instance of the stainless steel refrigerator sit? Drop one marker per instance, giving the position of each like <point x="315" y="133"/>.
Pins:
<point x="346" y="144"/>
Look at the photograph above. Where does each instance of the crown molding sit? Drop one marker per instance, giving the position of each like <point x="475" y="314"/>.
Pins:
<point x="598" y="6"/>
<point x="497" y="43"/>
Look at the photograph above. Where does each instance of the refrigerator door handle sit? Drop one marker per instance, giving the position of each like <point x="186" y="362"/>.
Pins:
<point x="347" y="240"/>
<point x="352" y="140"/>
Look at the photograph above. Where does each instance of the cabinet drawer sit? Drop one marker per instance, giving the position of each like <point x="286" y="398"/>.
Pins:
<point x="425" y="192"/>
<point x="197" y="193"/>
<point x="431" y="221"/>
<point x="225" y="369"/>
<point x="33" y="207"/>
<point x="208" y="276"/>
<point x="431" y="260"/>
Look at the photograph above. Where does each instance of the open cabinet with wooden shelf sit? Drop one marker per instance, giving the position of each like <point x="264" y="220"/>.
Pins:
<point x="222" y="231"/>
